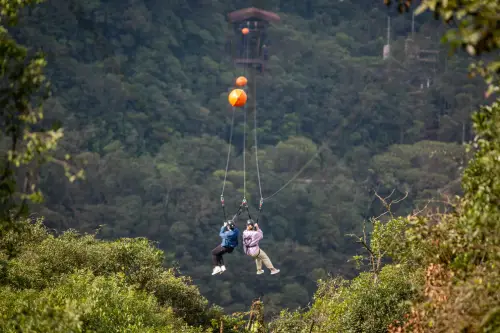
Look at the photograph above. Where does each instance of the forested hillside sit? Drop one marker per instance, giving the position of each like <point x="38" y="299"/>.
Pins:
<point x="77" y="283"/>
<point x="141" y="89"/>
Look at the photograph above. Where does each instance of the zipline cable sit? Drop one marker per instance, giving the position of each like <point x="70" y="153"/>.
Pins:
<point x="297" y="174"/>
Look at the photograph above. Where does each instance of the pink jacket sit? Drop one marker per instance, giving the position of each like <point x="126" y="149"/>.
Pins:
<point x="251" y="240"/>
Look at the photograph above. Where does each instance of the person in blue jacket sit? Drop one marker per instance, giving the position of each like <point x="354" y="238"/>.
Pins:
<point x="229" y="234"/>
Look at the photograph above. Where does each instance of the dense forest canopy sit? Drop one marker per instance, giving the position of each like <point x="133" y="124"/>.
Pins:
<point x="141" y="89"/>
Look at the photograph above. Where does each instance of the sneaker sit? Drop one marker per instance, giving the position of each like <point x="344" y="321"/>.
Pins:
<point x="260" y="272"/>
<point x="216" y="270"/>
<point x="275" y="271"/>
<point x="222" y="269"/>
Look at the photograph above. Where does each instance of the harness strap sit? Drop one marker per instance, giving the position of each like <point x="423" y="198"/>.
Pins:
<point x="260" y="209"/>
<point x="255" y="256"/>
<point x="244" y="204"/>
<point x="248" y="212"/>
<point x="223" y="208"/>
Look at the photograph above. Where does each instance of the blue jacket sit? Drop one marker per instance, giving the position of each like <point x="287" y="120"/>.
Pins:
<point x="229" y="237"/>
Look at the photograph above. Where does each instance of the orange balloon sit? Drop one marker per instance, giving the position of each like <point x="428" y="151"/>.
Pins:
<point x="241" y="81"/>
<point x="237" y="98"/>
<point x="245" y="31"/>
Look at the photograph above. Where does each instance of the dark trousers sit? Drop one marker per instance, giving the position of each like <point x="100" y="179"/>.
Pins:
<point x="217" y="254"/>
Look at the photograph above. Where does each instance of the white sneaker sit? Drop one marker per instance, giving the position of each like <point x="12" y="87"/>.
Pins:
<point x="275" y="271"/>
<point x="216" y="270"/>
<point x="260" y="272"/>
<point x="222" y="269"/>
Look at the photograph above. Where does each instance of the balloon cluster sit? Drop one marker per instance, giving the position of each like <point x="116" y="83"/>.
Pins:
<point x="238" y="97"/>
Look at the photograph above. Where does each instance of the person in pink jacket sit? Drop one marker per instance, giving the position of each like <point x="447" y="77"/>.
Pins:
<point x="251" y="239"/>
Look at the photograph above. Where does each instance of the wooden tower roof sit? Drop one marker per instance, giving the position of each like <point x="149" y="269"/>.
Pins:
<point x="252" y="12"/>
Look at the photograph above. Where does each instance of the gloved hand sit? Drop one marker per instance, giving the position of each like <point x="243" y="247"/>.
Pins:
<point x="225" y="224"/>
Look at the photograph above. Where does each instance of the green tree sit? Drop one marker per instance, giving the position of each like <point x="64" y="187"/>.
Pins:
<point x="463" y="257"/>
<point x="77" y="282"/>
<point x="371" y="301"/>
<point x="476" y="31"/>
<point x="26" y="142"/>
<point x="143" y="95"/>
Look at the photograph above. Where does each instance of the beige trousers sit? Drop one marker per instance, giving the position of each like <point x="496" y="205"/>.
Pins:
<point x="263" y="258"/>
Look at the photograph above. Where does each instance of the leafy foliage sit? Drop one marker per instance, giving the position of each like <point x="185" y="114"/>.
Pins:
<point x="461" y="281"/>
<point x="24" y="143"/>
<point x="368" y="303"/>
<point x="93" y="285"/>
<point x="476" y="32"/>
<point x="363" y="304"/>
<point x="82" y="302"/>
<point x="453" y="256"/>
<point x="481" y="181"/>
<point x="141" y="87"/>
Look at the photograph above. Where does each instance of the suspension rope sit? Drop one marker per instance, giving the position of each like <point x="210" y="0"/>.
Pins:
<point x="227" y="165"/>
<point x="244" y="153"/>
<point x="228" y="151"/>
<point x="261" y="200"/>
<point x="247" y="56"/>
<point x="244" y="204"/>
<point x="256" y="149"/>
